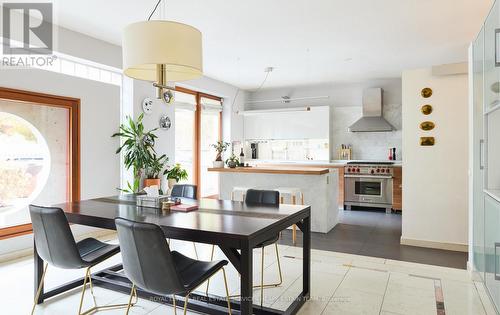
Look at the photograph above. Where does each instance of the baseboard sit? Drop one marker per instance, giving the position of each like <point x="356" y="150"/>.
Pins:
<point x="437" y="245"/>
<point x="99" y="234"/>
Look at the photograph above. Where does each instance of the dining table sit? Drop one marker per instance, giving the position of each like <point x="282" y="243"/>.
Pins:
<point x="235" y="227"/>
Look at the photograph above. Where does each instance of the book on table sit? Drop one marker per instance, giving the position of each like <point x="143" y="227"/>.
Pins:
<point x="184" y="207"/>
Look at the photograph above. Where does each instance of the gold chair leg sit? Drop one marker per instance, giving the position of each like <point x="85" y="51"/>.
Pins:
<point x="39" y="290"/>
<point x="174" y="304"/>
<point x="262" y="278"/>
<point x="132" y="291"/>
<point x="279" y="265"/>
<point x="83" y="290"/>
<point x="186" y="303"/>
<point x="227" y="291"/>
<point x="211" y="259"/>
<point x="96" y="308"/>
<point x="273" y="285"/>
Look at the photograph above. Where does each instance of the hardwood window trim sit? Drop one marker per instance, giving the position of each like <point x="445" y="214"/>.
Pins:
<point x="73" y="106"/>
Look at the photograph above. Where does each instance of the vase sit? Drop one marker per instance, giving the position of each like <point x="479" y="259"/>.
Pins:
<point x="231" y="164"/>
<point x="218" y="164"/>
<point x="151" y="182"/>
<point x="171" y="184"/>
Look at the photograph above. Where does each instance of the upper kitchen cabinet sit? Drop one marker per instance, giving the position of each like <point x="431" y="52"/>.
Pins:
<point x="286" y="124"/>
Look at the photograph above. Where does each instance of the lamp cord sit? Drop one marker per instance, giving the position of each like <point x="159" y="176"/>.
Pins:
<point x="154" y="10"/>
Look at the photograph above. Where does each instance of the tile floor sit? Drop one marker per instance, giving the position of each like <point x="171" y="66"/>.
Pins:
<point x="377" y="234"/>
<point x="341" y="284"/>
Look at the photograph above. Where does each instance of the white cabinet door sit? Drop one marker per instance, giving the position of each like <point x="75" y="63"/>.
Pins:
<point x="313" y="124"/>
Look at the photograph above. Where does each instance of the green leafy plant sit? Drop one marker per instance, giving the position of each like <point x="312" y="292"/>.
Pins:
<point x="220" y="147"/>
<point x="176" y="172"/>
<point x="155" y="165"/>
<point x="232" y="159"/>
<point x="138" y="148"/>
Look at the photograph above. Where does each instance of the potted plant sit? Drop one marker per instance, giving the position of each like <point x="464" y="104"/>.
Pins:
<point x="232" y="161"/>
<point x="220" y="147"/>
<point x="175" y="174"/>
<point x="153" y="169"/>
<point x="138" y="147"/>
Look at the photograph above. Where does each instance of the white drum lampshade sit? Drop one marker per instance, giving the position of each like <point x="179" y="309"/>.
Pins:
<point x="175" y="45"/>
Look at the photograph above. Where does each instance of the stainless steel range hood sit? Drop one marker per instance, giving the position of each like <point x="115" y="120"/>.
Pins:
<point x="372" y="119"/>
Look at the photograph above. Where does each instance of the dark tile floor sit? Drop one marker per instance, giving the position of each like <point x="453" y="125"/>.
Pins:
<point x="375" y="233"/>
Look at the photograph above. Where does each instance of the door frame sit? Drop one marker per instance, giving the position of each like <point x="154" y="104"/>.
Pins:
<point x="197" y="132"/>
<point x="73" y="106"/>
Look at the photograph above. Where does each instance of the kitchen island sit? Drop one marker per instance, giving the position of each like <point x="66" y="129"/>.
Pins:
<point x="319" y="186"/>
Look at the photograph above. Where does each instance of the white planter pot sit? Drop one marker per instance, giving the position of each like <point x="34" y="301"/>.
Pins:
<point x="218" y="164"/>
<point x="171" y="183"/>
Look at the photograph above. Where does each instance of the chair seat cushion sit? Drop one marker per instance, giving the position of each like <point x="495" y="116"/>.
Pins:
<point x="269" y="241"/>
<point x="195" y="272"/>
<point x="94" y="251"/>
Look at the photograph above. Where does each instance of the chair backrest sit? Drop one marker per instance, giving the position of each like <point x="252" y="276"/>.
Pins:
<point x="54" y="241"/>
<point x="146" y="257"/>
<point x="184" y="191"/>
<point x="263" y="197"/>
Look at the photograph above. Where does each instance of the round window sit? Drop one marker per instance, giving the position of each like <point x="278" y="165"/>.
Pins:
<point x="24" y="162"/>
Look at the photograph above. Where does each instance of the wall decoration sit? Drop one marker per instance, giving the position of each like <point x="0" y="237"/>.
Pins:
<point x="165" y="123"/>
<point x="426" y="92"/>
<point x="427" y="125"/>
<point x="426" y="109"/>
<point x="147" y="106"/>
<point x="168" y="96"/>
<point x="427" y="141"/>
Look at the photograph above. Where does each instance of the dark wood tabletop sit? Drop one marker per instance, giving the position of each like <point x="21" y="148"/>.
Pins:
<point x="220" y="218"/>
<point x="235" y="227"/>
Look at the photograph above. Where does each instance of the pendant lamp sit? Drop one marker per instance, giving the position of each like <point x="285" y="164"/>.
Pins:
<point x="161" y="51"/>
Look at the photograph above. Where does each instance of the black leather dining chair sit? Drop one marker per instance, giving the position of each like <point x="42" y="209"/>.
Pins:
<point x="150" y="265"/>
<point x="265" y="198"/>
<point x="184" y="191"/>
<point x="56" y="245"/>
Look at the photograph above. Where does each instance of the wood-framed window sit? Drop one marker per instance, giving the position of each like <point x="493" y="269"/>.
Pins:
<point x="206" y="121"/>
<point x="54" y="118"/>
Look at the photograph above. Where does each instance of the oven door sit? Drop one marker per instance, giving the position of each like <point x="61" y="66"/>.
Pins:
<point x="368" y="189"/>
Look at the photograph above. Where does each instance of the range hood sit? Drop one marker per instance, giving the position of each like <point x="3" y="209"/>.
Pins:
<point x="372" y="120"/>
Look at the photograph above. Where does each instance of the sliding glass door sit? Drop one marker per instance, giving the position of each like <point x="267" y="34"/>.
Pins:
<point x="38" y="155"/>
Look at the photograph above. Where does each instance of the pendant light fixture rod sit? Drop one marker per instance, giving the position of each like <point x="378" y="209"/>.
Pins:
<point x="154" y="10"/>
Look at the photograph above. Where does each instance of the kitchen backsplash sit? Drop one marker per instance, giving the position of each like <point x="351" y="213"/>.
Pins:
<point x="365" y="145"/>
<point x="292" y="150"/>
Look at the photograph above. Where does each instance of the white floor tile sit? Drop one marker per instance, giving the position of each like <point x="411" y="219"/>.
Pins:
<point x="341" y="284"/>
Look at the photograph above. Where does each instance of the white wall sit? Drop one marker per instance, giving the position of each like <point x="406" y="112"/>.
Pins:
<point x="100" y="117"/>
<point x="435" y="178"/>
<point x="345" y="102"/>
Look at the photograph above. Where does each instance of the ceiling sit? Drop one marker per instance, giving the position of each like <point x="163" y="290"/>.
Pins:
<point x="306" y="41"/>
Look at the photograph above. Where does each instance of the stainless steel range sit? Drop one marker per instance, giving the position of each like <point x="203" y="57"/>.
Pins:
<point x="368" y="184"/>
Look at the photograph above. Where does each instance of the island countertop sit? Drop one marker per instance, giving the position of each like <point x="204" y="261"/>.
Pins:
<point x="275" y="169"/>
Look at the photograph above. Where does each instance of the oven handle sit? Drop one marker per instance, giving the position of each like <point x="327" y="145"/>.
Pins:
<point x="368" y="176"/>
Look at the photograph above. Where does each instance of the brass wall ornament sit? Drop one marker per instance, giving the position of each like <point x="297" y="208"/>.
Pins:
<point x="426" y="109"/>
<point x="427" y="141"/>
<point x="426" y="92"/>
<point x="427" y="125"/>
